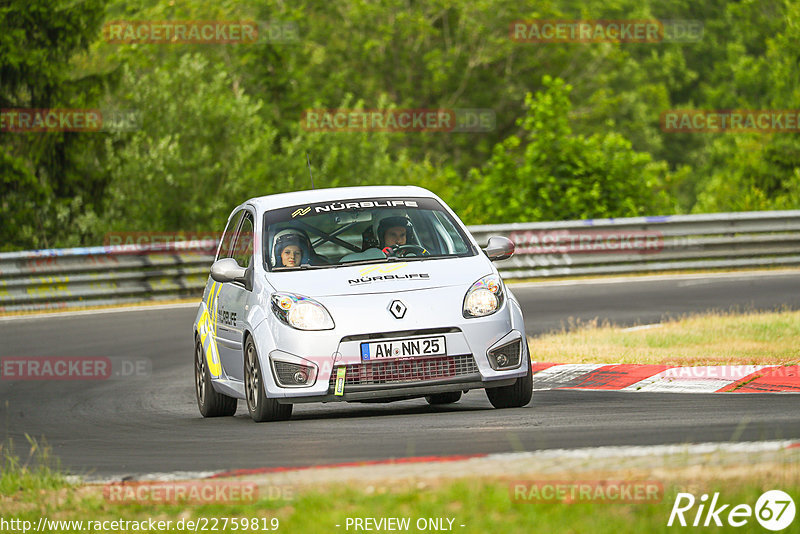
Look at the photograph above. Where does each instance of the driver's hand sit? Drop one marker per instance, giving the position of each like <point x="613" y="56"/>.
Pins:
<point x="389" y="251"/>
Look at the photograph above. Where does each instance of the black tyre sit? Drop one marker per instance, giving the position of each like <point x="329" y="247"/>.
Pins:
<point x="516" y="395"/>
<point x="260" y="407"/>
<point x="443" y="398"/>
<point x="210" y="403"/>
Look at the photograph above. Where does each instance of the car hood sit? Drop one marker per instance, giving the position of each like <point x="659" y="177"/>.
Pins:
<point x="382" y="277"/>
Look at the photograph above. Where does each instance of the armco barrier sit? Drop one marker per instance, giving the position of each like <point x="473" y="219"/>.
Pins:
<point x="66" y="278"/>
<point x="703" y="241"/>
<point x="92" y="276"/>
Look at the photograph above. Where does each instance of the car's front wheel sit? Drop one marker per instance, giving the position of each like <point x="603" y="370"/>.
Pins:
<point x="211" y="403"/>
<point x="261" y="407"/>
<point x="516" y="395"/>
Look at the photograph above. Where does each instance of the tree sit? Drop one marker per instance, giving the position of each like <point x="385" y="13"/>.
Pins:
<point x="551" y="173"/>
<point x="45" y="193"/>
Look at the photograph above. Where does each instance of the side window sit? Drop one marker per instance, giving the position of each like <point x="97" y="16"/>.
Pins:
<point x="424" y="231"/>
<point x="226" y="245"/>
<point x="243" y="249"/>
<point x="451" y="234"/>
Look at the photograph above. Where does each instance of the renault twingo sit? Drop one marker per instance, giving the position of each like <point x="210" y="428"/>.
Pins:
<point x="366" y="294"/>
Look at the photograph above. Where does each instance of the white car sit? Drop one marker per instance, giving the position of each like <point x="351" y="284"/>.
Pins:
<point x="368" y="294"/>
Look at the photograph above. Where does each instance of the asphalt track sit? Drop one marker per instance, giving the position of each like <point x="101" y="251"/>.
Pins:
<point x="151" y="424"/>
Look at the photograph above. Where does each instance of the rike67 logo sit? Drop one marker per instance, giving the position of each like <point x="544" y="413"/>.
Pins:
<point x="774" y="510"/>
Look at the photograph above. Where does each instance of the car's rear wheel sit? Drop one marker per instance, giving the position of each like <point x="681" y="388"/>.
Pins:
<point x="516" y="395"/>
<point x="261" y="407"/>
<point x="443" y="398"/>
<point x="210" y="403"/>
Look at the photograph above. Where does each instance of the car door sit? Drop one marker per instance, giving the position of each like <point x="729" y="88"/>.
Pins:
<point x="233" y="299"/>
<point x="210" y="334"/>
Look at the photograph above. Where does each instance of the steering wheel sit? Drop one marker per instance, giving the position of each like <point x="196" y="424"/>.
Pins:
<point x="410" y="250"/>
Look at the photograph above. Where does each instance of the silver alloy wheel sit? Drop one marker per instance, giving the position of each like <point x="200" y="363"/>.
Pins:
<point x="200" y="373"/>
<point x="252" y="379"/>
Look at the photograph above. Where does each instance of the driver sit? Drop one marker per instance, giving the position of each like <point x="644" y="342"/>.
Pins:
<point x="394" y="231"/>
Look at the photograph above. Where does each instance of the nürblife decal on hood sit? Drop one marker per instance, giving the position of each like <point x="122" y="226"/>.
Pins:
<point x="383" y="273"/>
<point x="387" y="277"/>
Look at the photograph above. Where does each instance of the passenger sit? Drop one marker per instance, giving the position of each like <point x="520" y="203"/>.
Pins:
<point x="292" y="249"/>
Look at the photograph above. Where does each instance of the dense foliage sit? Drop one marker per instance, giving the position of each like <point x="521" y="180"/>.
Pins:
<point x="577" y="130"/>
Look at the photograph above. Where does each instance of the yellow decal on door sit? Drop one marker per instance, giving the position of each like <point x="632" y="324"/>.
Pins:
<point x="208" y="331"/>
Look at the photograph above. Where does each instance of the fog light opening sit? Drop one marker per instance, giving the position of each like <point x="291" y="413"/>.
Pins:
<point x="507" y="356"/>
<point x="290" y="374"/>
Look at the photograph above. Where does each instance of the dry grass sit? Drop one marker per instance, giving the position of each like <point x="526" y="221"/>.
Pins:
<point x="713" y="339"/>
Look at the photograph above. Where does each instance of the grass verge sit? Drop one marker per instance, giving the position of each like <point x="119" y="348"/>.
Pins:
<point x="466" y="505"/>
<point x="37" y="471"/>
<point x="711" y="339"/>
<point x="479" y="503"/>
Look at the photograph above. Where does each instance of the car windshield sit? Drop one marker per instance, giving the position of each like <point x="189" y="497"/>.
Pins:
<point x="368" y="230"/>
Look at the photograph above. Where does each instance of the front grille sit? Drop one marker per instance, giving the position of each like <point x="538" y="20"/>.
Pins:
<point x="404" y="371"/>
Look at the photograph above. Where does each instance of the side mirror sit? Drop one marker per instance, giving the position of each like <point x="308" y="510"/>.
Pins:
<point x="499" y="248"/>
<point x="227" y="270"/>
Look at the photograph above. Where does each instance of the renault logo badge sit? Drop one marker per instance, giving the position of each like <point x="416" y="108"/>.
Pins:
<point x="398" y="309"/>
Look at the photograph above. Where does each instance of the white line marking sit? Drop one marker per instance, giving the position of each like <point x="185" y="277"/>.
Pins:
<point x="698" y="379"/>
<point x="586" y="453"/>
<point x="642" y="327"/>
<point x="560" y="375"/>
<point x="650" y="278"/>
<point x="591" y="453"/>
<point x="77" y="312"/>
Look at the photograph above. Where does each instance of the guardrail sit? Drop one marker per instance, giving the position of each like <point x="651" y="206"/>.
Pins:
<point x="649" y="244"/>
<point x="66" y="278"/>
<point x="96" y="276"/>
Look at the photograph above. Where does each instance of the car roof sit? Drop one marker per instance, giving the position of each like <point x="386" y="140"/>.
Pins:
<point x="337" y="193"/>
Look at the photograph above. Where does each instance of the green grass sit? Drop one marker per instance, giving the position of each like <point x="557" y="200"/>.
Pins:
<point x="710" y="339"/>
<point x="480" y="505"/>
<point x="38" y="470"/>
<point x="32" y="487"/>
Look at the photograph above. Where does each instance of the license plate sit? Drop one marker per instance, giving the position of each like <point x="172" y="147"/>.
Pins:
<point x="400" y="348"/>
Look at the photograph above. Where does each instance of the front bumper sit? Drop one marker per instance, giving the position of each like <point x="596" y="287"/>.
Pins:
<point x="466" y="366"/>
<point x="395" y="379"/>
<point x="400" y="390"/>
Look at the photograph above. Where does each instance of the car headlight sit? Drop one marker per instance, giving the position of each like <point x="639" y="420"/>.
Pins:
<point x="301" y="312"/>
<point x="484" y="297"/>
